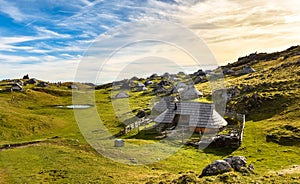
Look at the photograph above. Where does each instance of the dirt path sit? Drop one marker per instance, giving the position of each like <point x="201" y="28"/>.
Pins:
<point x="24" y="144"/>
<point x="293" y="170"/>
<point x="19" y="145"/>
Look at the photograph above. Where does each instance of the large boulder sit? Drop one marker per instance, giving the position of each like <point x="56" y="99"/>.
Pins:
<point x="233" y="92"/>
<point x="153" y="76"/>
<point x="237" y="162"/>
<point x="148" y="82"/>
<point x="217" y="167"/>
<point x="199" y="79"/>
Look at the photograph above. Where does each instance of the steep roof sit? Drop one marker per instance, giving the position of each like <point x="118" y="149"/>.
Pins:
<point x="201" y="114"/>
<point x="122" y="94"/>
<point x="190" y="93"/>
<point x="164" y="104"/>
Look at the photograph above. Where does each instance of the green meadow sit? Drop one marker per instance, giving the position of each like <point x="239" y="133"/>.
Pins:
<point x="42" y="143"/>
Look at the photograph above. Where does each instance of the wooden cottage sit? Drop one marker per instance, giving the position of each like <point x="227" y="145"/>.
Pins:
<point x="190" y="93"/>
<point x="32" y="81"/>
<point x="122" y="94"/>
<point x="16" y="87"/>
<point x="197" y="116"/>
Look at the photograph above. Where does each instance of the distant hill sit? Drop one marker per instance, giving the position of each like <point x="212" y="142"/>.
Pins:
<point x="40" y="140"/>
<point x="270" y="90"/>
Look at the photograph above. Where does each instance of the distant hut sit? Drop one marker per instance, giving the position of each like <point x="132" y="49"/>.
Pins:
<point x="122" y="95"/>
<point x="127" y="85"/>
<point x="228" y="71"/>
<point x="180" y="86"/>
<point x="248" y="69"/>
<point x="16" y="87"/>
<point x="32" y="81"/>
<point x="20" y="82"/>
<point x="191" y="93"/>
<point x="163" y="104"/>
<point x="198" y="117"/>
<point x="73" y="86"/>
<point x="42" y="84"/>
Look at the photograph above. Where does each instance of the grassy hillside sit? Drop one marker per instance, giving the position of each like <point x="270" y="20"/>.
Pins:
<point x="57" y="153"/>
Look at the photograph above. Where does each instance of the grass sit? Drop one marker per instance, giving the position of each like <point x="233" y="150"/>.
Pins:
<point x="31" y="115"/>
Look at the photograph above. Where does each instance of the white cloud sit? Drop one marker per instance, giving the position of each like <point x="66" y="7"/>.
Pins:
<point x="232" y="28"/>
<point x="46" y="33"/>
<point x="11" y="10"/>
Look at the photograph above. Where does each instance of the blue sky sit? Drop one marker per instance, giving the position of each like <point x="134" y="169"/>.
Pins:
<point x="48" y="39"/>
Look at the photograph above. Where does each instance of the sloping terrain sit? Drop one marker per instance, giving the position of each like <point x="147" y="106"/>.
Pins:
<point x="269" y="96"/>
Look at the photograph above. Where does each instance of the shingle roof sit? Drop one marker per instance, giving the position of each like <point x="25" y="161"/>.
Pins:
<point x="164" y="104"/>
<point x="190" y="93"/>
<point x="201" y="114"/>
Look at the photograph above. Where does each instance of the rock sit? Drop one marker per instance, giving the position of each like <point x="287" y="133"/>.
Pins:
<point x="217" y="167"/>
<point x="133" y="160"/>
<point x="119" y="143"/>
<point x="159" y="90"/>
<point x="153" y="76"/>
<point x="200" y="73"/>
<point x="251" y="167"/>
<point x="147" y="83"/>
<point x="134" y="78"/>
<point x="141" y="114"/>
<point x="166" y="75"/>
<point x="164" y="83"/>
<point x="233" y="92"/>
<point x="185" y="179"/>
<point x="181" y="73"/>
<point x="200" y="79"/>
<point x="247" y="88"/>
<point x="140" y="87"/>
<point x="237" y="162"/>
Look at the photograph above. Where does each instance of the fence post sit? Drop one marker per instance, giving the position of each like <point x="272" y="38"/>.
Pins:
<point x="242" y="131"/>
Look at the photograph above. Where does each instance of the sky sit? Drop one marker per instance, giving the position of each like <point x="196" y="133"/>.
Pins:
<point x="100" y="40"/>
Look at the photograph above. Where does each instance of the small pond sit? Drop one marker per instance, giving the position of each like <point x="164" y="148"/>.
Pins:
<point x="75" y="106"/>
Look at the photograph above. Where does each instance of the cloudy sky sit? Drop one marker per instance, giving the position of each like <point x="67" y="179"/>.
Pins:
<point x="49" y="39"/>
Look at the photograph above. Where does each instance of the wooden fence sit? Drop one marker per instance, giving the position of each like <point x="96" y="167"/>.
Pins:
<point x="137" y="124"/>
